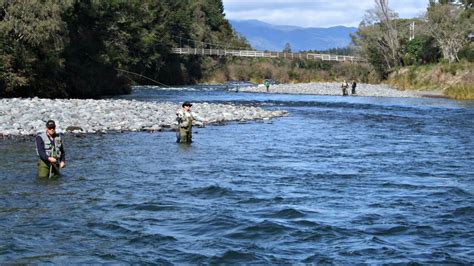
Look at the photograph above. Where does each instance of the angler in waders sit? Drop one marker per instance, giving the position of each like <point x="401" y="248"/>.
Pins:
<point x="354" y="85"/>
<point x="185" y="120"/>
<point x="344" y="87"/>
<point x="267" y="84"/>
<point x="50" y="150"/>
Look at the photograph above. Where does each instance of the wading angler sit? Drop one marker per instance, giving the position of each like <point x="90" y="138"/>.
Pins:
<point x="50" y="150"/>
<point x="185" y="120"/>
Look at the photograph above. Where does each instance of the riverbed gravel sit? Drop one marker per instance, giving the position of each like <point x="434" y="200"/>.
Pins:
<point x="27" y="116"/>
<point x="332" y="88"/>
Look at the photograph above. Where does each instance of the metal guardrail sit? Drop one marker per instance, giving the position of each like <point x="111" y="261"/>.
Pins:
<point x="262" y="54"/>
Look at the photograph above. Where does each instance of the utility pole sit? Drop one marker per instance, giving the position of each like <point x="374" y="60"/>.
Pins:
<point x="412" y="30"/>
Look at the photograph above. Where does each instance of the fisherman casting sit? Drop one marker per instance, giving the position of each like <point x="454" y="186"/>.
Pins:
<point x="185" y="120"/>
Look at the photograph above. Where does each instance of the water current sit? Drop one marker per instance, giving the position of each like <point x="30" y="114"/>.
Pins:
<point x="340" y="180"/>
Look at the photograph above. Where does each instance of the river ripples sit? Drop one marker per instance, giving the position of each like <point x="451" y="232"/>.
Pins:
<point x="339" y="180"/>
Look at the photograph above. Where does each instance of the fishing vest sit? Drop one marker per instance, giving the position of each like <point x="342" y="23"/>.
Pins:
<point x="52" y="148"/>
<point x="185" y="119"/>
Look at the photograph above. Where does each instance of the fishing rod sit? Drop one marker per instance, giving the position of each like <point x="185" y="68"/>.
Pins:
<point x="140" y="75"/>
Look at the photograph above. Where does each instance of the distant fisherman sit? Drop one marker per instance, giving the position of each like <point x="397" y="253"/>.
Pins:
<point x="50" y="150"/>
<point x="185" y="120"/>
<point x="344" y="87"/>
<point x="267" y="84"/>
<point x="354" y="85"/>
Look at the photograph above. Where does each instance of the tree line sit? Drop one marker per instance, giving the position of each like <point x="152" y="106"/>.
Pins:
<point x="90" y="48"/>
<point x="441" y="35"/>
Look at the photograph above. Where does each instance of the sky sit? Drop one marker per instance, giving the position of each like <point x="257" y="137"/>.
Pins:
<point x="315" y="13"/>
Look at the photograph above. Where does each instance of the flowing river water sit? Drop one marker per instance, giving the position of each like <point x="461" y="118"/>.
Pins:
<point x="339" y="180"/>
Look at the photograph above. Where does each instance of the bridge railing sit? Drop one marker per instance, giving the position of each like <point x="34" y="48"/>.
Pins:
<point x="263" y="54"/>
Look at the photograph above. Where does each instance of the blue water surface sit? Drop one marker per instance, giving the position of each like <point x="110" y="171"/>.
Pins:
<point x="340" y="180"/>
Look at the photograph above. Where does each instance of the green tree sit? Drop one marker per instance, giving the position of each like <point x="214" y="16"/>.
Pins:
<point x="92" y="55"/>
<point x="90" y="48"/>
<point x="449" y="28"/>
<point x="32" y="39"/>
<point x="420" y="50"/>
<point x="379" y="38"/>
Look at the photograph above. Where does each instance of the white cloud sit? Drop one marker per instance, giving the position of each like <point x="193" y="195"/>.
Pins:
<point x="315" y="13"/>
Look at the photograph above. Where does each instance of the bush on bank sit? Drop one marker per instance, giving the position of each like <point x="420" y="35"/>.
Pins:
<point x="454" y="80"/>
<point x="286" y="71"/>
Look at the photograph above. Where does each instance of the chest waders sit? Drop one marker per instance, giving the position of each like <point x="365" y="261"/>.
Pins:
<point x="52" y="149"/>
<point x="344" y="89"/>
<point x="184" y="133"/>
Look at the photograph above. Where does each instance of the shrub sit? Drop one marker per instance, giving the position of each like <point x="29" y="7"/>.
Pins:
<point x="463" y="91"/>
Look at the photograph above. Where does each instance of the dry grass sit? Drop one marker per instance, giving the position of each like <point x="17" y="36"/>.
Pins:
<point x="460" y="92"/>
<point x="454" y="80"/>
<point x="285" y="71"/>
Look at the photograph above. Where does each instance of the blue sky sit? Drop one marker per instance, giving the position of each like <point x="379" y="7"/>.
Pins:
<point x="315" y="13"/>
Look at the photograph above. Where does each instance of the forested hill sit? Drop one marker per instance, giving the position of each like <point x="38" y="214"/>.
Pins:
<point x="86" y="49"/>
<point x="264" y="36"/>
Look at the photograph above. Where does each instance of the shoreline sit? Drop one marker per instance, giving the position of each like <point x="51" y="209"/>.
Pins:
<point x="27" y="116"/>
<point x="333" y="89"/>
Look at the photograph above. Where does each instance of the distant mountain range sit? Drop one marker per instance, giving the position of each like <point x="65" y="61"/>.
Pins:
<point x="264" y="36"/>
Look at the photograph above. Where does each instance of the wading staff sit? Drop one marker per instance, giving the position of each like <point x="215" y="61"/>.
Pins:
<point x="50" y="170"/>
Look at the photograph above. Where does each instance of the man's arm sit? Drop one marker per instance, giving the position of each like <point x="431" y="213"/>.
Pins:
<point x="40" y="149"/>
<point x="198" y="117"/>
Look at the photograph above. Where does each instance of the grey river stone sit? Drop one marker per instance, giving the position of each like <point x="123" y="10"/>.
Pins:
<point x="332" y="88"/>
<point x="23" y="116"/>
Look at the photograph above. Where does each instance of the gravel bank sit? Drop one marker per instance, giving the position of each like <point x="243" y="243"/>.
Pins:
<point x="380" y="90"/>
<point x="20" y="117"/>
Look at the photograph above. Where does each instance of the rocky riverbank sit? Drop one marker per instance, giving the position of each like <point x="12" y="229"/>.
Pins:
<point x="21" y="117"/>
<point x="379" y="90"/>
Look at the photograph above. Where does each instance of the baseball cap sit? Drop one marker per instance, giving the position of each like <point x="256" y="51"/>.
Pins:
<point x="50" y="124"/>
<point x="186" y="104"/>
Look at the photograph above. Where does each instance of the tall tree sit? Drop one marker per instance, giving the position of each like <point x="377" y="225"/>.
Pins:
<point x="389" y="41"/>
<point x="90" y="48"/>
<point x="32" y="38"/>
<point x="449" y="28"/>
<point x="379" y="39"/>
<point x="94" y="52"/>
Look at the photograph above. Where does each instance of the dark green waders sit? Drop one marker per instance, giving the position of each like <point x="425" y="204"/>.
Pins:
<point x="45" y="169"/>
<point x="185" y="134"/>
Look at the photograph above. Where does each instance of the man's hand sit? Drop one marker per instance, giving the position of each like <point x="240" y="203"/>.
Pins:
<point x="52" y="160"/>
<point x="62" y="164"/>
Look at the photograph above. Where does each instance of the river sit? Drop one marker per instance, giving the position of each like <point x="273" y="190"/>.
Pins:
<point x="340" y="180"/>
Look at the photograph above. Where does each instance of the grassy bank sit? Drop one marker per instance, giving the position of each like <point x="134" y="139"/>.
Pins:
<point x="452" y="80"/>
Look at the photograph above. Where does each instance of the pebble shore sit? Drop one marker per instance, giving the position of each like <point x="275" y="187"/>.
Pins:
<point x="379" y="90"/>
<point x="23" y="116"/>
<point x="27" y="116"/>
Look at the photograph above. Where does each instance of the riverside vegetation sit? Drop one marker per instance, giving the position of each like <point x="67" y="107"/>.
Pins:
<point x="434" y="52"/>
<point x="453" y="80"/>
<point x="87" y="49"/>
